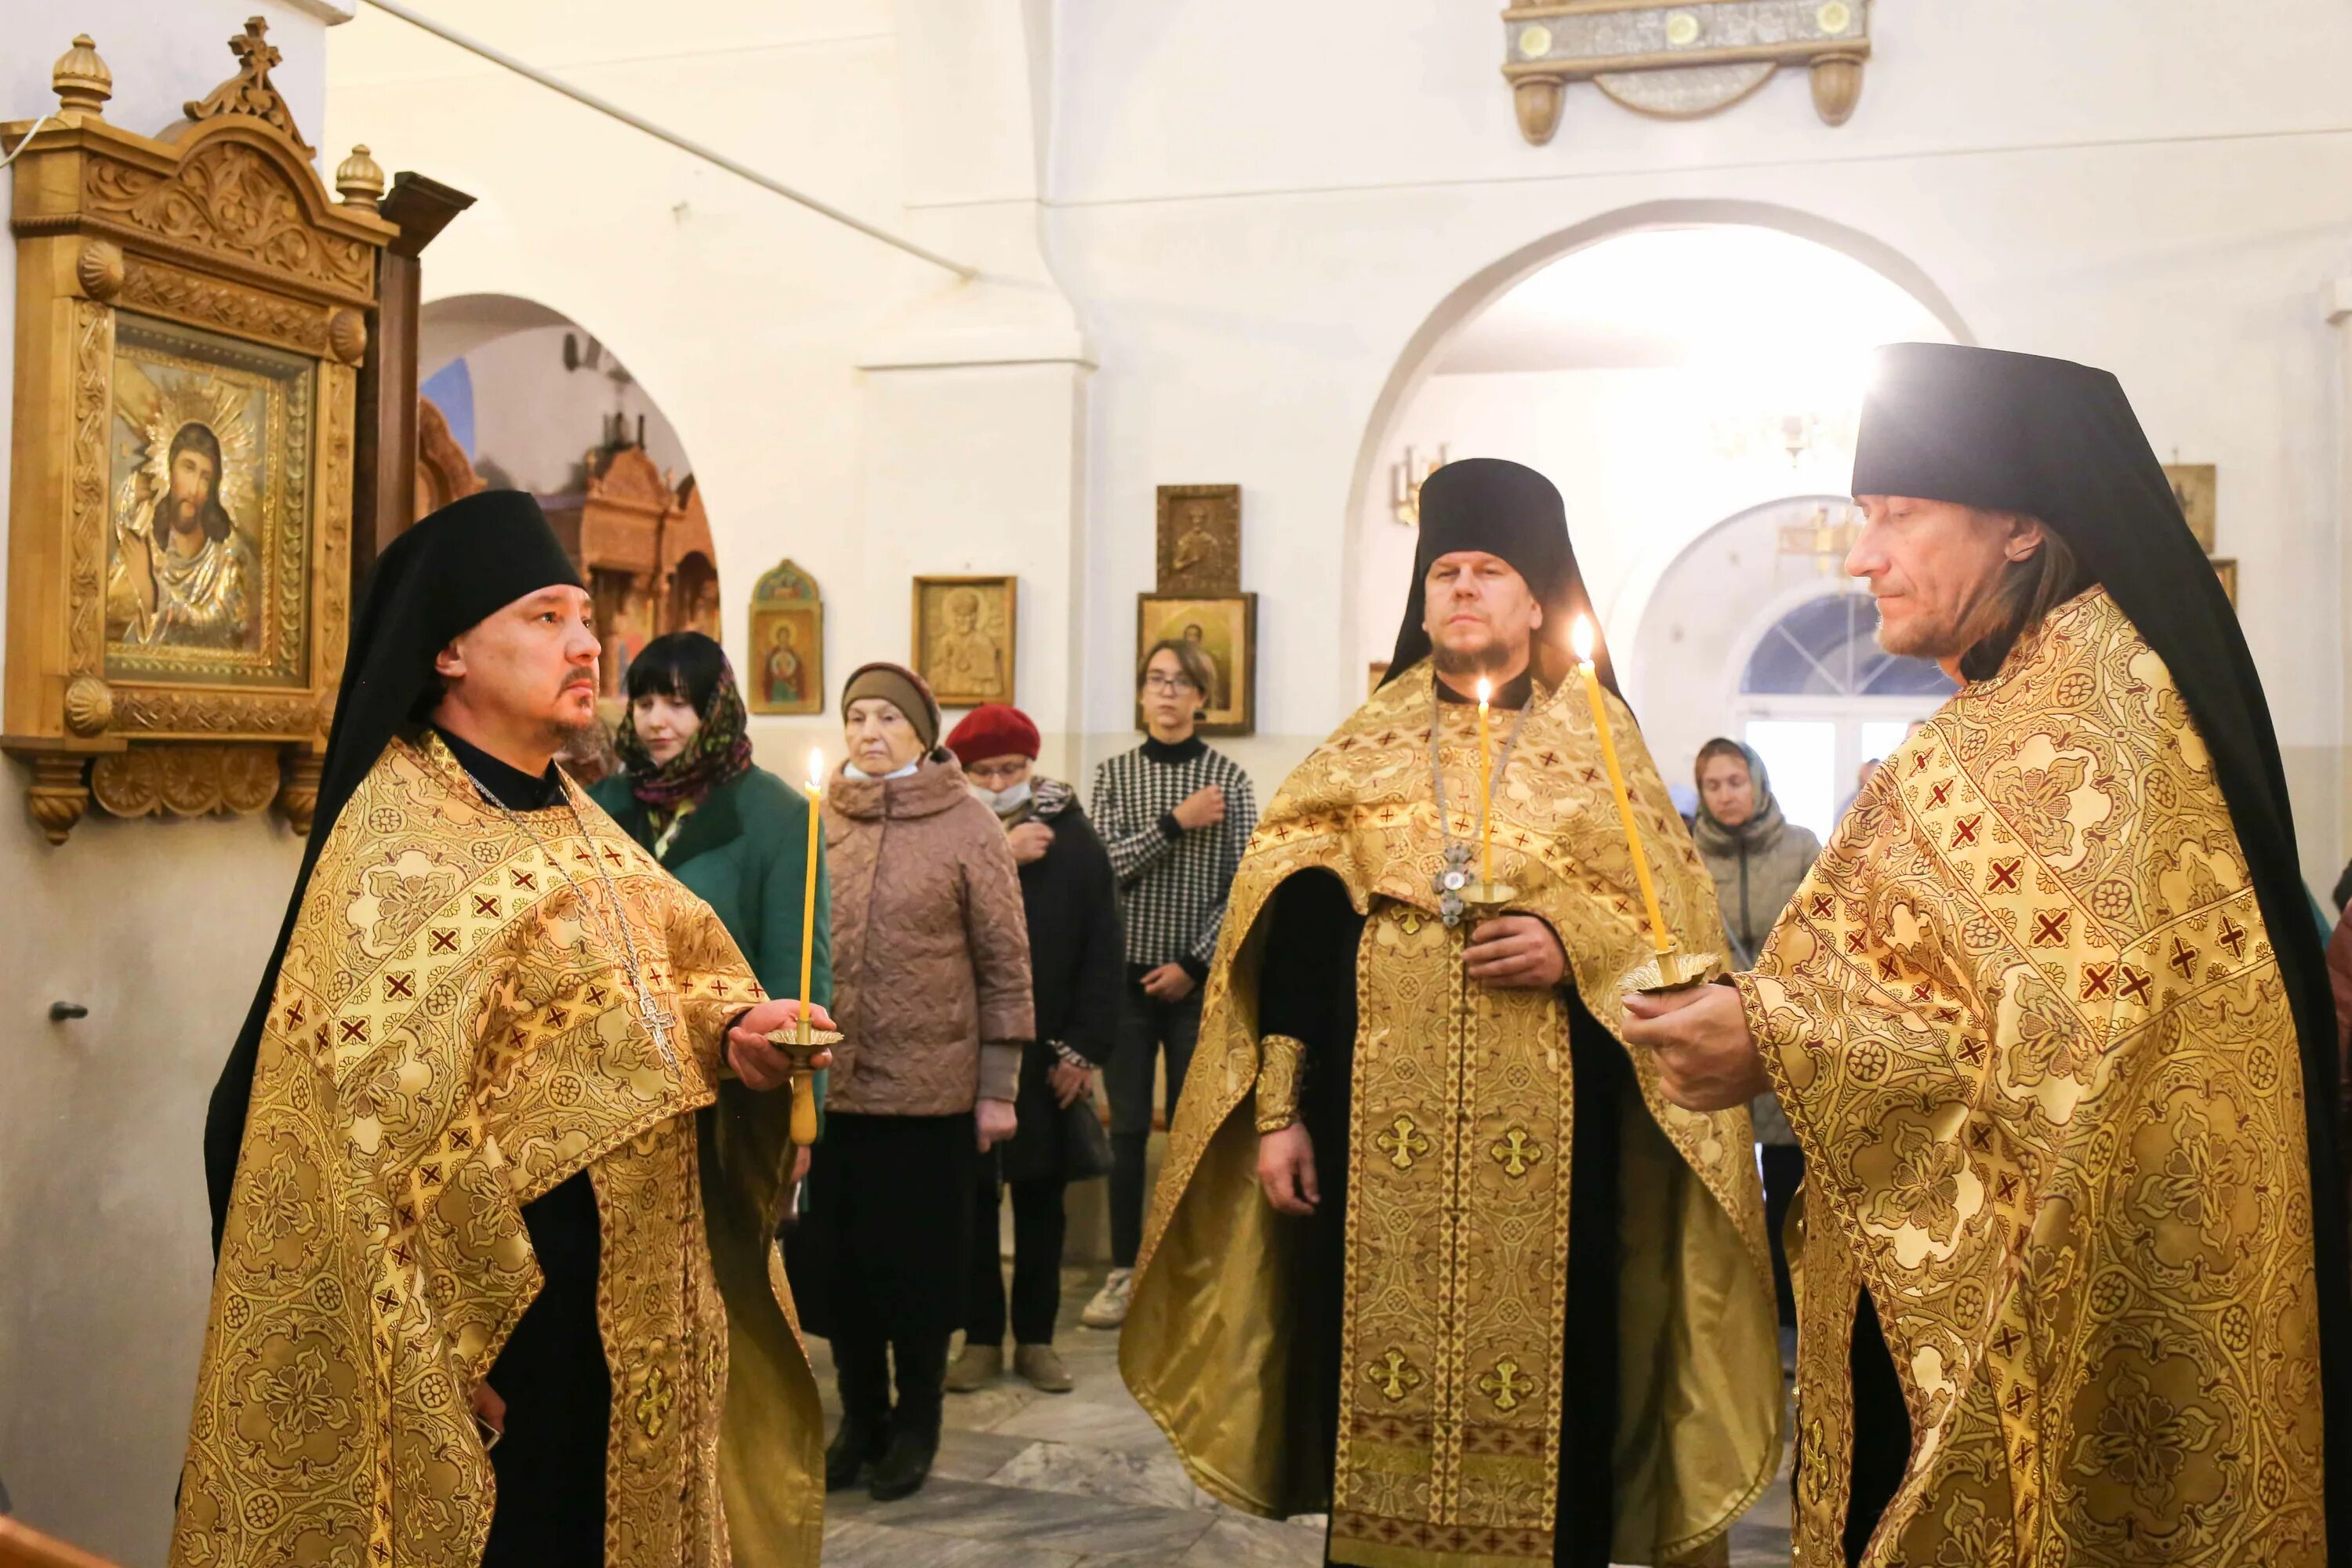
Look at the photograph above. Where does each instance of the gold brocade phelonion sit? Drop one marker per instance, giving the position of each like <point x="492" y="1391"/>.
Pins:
<point x="804" y="1099"/>
<point x="1661" y="940"/>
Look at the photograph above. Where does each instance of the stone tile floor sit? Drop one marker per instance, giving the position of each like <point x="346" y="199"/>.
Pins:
<point x="1032" y="1480"/>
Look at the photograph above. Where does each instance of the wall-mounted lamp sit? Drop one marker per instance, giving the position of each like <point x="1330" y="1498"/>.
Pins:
<point x="1405" y="480"/>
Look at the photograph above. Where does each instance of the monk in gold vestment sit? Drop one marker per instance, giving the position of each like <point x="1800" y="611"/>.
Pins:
<point x="1429" y="1251"/>
<point x="495" y="1184"/>
<point x="2050" y="1021"/>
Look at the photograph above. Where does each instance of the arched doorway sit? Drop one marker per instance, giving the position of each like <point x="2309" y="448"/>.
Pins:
<point x="1820" y="701"/>
<point x="521" y="395"/>
<point x="1672" y="368"/>
<point x="1755" y="632"/>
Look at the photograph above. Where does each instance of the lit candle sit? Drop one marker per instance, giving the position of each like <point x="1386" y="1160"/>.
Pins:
<point x="1659" y="939"/>
<point x="1485" y="792"/>
<point x="804" y="1097"/>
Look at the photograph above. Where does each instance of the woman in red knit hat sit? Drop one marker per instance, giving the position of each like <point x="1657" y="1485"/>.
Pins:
<point x="1075" y="961"/>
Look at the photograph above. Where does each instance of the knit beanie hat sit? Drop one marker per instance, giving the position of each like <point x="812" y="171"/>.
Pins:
<point x="993" y="730"/>
<point x="903" y="690"/>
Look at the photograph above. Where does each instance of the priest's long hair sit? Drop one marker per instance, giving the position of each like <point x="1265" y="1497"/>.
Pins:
<point x="2030" y="589"/>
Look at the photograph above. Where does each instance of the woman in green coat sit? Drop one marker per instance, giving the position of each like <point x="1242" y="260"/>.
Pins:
<point x="736" y="835"/>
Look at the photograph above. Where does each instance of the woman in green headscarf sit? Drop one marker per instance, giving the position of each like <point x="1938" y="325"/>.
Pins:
<point x="737" y="836"/>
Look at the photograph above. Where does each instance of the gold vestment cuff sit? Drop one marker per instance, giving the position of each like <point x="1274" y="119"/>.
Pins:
<point x="1279" y="1057"/>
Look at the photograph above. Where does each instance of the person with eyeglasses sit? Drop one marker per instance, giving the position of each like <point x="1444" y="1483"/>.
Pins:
<point x="1175" y="815"/>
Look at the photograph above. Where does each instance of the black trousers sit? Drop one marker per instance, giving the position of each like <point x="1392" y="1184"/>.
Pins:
<point x="1038" y="1229"/>
<point x="1881" y="1431"/>
<point x="884" y="1247"/>
<point x="1784" y="1171"/>
<point x="550" y="1465"/>
<point x="1146" y="1027"/>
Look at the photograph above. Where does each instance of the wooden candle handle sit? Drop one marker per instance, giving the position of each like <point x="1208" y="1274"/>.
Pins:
<point x="803" y="1110"/>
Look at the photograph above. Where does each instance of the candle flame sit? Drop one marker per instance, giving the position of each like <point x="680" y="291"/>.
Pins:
<point x="816" y="767"/>
<point x="1484" y="692"/>
<point x="1581" y="638"/>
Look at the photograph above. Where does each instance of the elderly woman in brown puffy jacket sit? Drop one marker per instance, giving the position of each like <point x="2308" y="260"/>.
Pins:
<point x="932" y="990"/>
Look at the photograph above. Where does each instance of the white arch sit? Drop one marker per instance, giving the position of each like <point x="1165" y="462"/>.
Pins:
<point x="1471" y="297"/>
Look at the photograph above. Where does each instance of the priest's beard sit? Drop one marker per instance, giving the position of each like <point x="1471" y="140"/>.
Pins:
<point x="1489" y="661"/>
<point x="566" y="733"/>
<point x="1919" y="638"/>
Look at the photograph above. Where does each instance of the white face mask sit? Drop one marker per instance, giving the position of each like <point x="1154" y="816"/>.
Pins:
<point x="1003" y="802"/>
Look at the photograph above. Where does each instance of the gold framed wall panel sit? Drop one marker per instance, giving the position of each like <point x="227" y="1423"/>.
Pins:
<point x="967" y="636"/>
<point x="191" y="310"/>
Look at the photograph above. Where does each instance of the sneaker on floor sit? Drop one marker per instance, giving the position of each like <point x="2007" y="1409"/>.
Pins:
<point x="1041" y="1366"/>
<point x="979" y="1366"/>
<point x="1108" y="1309"/>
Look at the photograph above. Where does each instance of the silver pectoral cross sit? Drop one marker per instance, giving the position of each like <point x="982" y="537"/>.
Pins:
<point x="1449" y="882"/>
<point x="658" y="1024"/>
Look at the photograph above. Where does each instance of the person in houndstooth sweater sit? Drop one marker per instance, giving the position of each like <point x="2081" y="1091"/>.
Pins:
<point x="1175" y="816"/>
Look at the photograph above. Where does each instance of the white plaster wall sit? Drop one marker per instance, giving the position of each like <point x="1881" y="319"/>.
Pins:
<point x="1645" y="459"/>
<point x="743" y="316"/>
<point x="1254" y="215"/>
<point x="537" y="421"/>
<point x="1258" y="213"/>
<point x="161" y="929"/>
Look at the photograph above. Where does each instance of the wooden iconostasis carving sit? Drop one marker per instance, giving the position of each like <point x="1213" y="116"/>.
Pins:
<point x="192" y="310"/>
<point x="642" y="539"/>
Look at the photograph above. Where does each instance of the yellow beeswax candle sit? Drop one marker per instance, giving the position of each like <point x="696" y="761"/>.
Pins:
<point x="1485" y="792"/>
<point x="803" y="1096"/>
<point x="1660" y="940"/>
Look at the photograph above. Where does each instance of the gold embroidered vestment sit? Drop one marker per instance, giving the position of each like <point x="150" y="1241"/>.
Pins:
<point x="450" y="1038"/>
<point x="1457" y="1221"/>
<point x="2025" y="1019"/>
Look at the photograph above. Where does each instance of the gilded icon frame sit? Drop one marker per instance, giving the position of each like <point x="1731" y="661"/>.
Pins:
<point x="156" y="276"/>
<point x="785" y="598"/>
<point x="1229" y="627"/>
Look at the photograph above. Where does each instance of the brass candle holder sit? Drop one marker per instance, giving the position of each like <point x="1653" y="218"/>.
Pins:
<point x="1487" y="900"/>
<point x="1671" y="969"/>
<point x="802" y="1046"/>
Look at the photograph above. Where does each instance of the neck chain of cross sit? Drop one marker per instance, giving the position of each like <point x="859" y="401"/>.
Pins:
<point x="1454" y="875"/>
<point x="657" y="1023"/>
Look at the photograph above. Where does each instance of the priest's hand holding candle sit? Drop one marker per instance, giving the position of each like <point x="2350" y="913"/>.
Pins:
<point x="1518" y="952"/>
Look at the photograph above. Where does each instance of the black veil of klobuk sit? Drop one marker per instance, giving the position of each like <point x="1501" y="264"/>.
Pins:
<point x="431" y="582"/>
<point x="2058" y="441"/>
<point x="1505" y="509"/>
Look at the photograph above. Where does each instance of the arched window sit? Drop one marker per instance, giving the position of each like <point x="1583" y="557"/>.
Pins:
<point x="1819" y="698"/>
<point x="1829" y="647"/>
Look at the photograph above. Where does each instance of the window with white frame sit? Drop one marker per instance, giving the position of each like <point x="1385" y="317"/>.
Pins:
<point x="1819" y="698"/>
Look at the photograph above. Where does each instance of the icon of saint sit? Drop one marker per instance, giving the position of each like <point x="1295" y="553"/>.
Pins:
<point x="183" y="573"/>
<point x="965" y="660"/>
<point x="781" y="671"/>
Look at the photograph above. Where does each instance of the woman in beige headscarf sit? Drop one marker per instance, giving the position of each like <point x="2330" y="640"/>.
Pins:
<point x="932" y="990"/>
